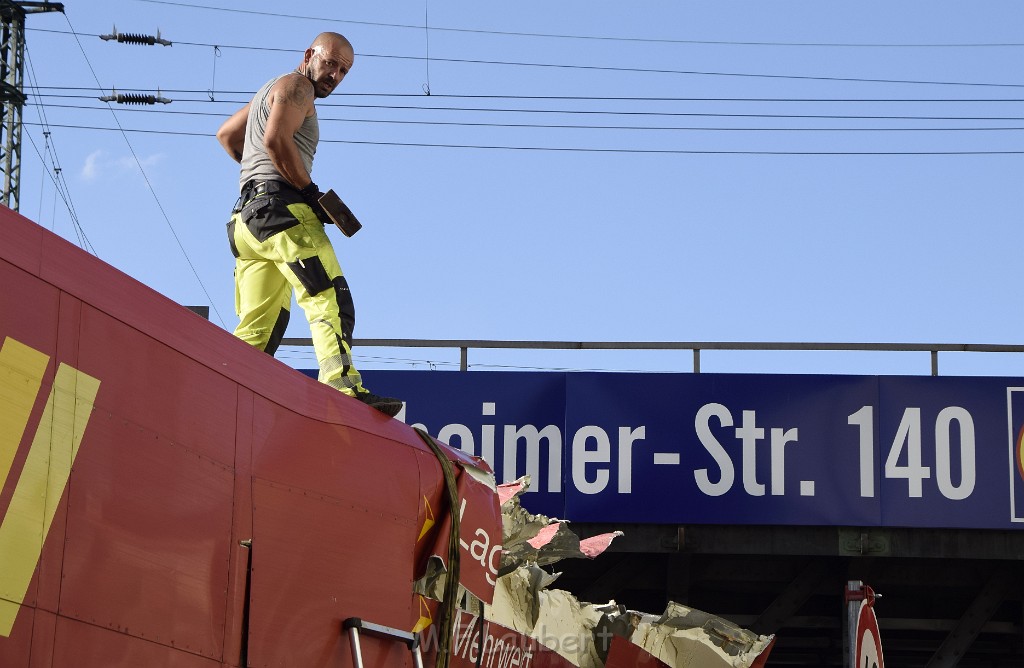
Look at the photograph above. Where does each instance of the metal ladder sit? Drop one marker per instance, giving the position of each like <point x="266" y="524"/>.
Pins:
<point x="354" y="625"/>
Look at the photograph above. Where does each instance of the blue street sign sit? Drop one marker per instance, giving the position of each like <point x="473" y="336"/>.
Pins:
<point x="737" y="448"/>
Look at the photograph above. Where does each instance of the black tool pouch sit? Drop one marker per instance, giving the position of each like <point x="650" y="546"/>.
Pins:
<point x="255" y="209"/>
<point x="266" y="215"/>
<point x="265" y="209"/>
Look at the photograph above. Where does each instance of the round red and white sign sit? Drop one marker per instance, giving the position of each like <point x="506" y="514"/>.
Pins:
<point x="869" y="642"/>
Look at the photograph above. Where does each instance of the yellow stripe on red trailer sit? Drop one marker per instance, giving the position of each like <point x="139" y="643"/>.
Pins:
<point x="43" y="478"/>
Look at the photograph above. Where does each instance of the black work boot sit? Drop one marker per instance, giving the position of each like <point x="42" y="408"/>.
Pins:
<point x="386" y="405"/>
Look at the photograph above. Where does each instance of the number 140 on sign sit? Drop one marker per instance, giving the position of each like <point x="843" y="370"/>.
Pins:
<point x="950" y="445"/>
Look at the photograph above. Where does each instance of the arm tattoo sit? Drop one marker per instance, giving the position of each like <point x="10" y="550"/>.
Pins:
<point x="298" y="91"/>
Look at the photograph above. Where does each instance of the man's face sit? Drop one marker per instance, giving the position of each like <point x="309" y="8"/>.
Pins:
<point x="327" y="65"/>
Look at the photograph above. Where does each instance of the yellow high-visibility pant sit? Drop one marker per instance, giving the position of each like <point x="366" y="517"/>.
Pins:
<point x="280" y="248"/>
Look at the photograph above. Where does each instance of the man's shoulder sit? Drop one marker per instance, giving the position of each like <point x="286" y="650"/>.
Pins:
<point x="292" y="81"/>
<point x="293" y="87"/>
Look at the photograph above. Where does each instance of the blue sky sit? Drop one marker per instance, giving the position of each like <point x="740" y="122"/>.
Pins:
<point x="580" y="171"/>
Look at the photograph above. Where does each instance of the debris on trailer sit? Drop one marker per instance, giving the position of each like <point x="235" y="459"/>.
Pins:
<point x="605" y="635"/>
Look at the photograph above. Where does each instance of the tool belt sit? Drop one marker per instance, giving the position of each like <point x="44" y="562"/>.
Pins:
<point x="255" y="189"/>
<point x="262" y="207"/>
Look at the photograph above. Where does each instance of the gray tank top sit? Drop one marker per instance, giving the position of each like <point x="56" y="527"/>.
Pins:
<point x="256" y="163"/>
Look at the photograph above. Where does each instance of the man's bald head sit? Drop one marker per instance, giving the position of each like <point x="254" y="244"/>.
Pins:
<point x="326" y="62"/>
<point x="331" y="40"/>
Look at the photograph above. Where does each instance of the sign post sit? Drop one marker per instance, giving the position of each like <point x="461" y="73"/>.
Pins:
<point x="864" y="644"/>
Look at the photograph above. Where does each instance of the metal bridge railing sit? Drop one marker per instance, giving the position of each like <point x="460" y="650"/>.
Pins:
<point x="464" y="346"/>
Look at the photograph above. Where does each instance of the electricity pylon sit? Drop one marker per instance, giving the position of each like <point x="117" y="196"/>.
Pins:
<point x="12" y="92"/>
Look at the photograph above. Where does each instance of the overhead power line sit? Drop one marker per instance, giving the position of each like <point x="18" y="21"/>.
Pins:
<point x="591" y="98"/>
<point x="652" y="40"/>
<point x="56" y="175"/>
<point x="562" y="148"/>
<point x="645" y="113"/>
<point x="641" y="70"/>
<point x="795" y="77"/>
<point x="604" y="112"/>
<point x="145" y="177"/>
<point x="328" y="119"/>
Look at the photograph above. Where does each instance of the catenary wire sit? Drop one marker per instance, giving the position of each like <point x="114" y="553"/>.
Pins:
<point x="83" y="240"/>
<point x="247" y="94"/>
<point x="142" y="170"/>
<point x="592" y="112"/>
<point x="57" y="176"/>
<point x="573" y="149"/>
<point x="642" y="70"/>
<point x="565" y="126"/>
<point x="592" y="37"/>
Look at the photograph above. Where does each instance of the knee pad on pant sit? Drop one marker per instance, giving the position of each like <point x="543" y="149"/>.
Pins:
<point x="346" y="308"/>
<point x="278" y="332"/>
<point x="311" y="273"/>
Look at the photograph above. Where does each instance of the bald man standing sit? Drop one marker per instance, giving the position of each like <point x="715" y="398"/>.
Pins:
<point x="277" y="229"/>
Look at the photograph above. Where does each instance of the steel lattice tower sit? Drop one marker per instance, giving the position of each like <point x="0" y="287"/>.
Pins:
<point x="12" y="93"/>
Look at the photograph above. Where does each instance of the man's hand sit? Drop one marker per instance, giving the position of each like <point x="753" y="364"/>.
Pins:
<point x="311" y="195"/>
